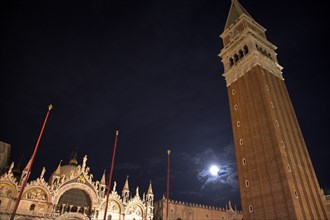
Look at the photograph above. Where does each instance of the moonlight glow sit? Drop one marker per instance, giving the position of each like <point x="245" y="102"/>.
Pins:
<point x="214" y="170"/>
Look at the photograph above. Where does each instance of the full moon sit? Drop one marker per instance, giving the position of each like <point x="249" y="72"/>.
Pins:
<point x="214" y="170"/>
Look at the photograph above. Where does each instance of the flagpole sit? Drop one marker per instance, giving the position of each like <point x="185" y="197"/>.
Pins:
<point x="50" y="107"/>
<point x="168" y="181"/>
<point x="110" y="175"/>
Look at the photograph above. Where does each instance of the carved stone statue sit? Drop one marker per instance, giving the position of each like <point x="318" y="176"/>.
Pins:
<point x="137" y="191"/>
<point x="114" y="186"/>
<point x="229" y="205"/>
<point x="84" y="162"/>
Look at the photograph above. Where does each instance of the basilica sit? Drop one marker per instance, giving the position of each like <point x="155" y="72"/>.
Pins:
<point x="70" y="193"/>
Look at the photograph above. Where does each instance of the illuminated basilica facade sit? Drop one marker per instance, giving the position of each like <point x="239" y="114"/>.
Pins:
<point x="71" y="194"/>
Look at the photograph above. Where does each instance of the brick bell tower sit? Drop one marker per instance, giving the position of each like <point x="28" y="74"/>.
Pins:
<point x="276" y="175"/>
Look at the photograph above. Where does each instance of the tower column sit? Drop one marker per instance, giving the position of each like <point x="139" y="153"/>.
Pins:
<point x="276" y="175"/>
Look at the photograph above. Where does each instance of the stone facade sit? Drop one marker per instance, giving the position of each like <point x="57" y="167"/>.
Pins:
<point x="178" y="210"/>
<point x="276" y="176"/>
<point x="71" y="194"/>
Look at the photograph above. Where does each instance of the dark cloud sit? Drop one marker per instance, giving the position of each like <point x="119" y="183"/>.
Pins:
<point x="225" y="160"/>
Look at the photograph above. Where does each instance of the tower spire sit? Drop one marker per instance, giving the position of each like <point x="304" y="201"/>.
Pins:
<point x="235" y="11"/>
<point x="58" y="170"/>
<point x="125" y="191"/>
<point x="150" y="188"/>
<point x="103" y="178"/>
<point x="73" y="159"/>
<point x="126" y="188"/>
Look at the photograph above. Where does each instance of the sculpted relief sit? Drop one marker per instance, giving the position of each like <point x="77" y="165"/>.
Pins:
<point x="36" y="194"/>
<point x="134" y="210"/>
<point x="6" y="190"/>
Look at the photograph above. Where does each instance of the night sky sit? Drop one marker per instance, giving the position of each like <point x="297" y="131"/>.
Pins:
<point x="151" y="70"/>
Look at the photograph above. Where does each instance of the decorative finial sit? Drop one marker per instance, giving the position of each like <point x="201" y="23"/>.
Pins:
<point x="117" y="132"/>
<point x="50" y="107"/>
<point x="10" y="171"/>
<point x="42" y="173"/>
<point x="168" y="151"/>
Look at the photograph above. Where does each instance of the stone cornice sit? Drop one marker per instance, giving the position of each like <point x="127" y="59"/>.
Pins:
<point x="254" y="58"/>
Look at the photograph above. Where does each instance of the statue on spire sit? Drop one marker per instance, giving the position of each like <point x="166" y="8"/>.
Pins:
<point x="84" y="162"/>
<point x="114" y="186"/>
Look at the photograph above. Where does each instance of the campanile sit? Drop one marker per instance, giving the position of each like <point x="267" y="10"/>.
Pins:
<point x="276" y="175"/>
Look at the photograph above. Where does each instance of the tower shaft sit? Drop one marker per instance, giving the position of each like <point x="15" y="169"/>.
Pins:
<point x="276" y="176"/>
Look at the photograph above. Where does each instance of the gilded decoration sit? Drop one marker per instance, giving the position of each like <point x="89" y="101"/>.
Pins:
<point x="35" y="194"/>
<point x="112" y="206"/>
<point x="134" y="210"/>
<point x="6" y="190"/>
<point x="81" y="179"/>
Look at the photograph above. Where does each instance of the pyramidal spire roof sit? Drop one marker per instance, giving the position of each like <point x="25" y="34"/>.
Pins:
<point x="103" y="178"/>
<point x="126" y="185"/>
<point x="150" y="189"/>
<point x="58" y="170"/>
<point x="73" y="160"/>
<point x="235" y="11"/>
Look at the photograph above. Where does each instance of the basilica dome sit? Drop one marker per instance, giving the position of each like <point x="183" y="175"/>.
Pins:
<point x="65" y="170"/>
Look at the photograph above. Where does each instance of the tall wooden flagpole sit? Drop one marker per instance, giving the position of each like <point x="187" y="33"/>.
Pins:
<point x="110" y="175"/>
<point x="168" y="182"/>
<point x="50" y="107"/>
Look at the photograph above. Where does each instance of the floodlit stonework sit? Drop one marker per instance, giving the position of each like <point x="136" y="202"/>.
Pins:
<point x="178" y="210"/>
<point x="71" y="194"/>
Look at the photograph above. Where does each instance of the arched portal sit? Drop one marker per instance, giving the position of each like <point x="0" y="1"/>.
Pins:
<point x="75" y="201"/>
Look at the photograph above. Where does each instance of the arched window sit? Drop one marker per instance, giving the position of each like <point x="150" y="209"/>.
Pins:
<point x="109" y="217"/>
<point x="74" y="209"/>
<point x="76" y="197"/>
<point x="270" y="56"/>
<point x="32" y="207"/>
<point x="81" y="210"/>
<point x="231" y="62"/>
<point x="241" y="54"/>
<point x="245" y="49"/>
<point x="296" y="194"/>
<point x="250" y="208"/>
<point x="236" y="58"/>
